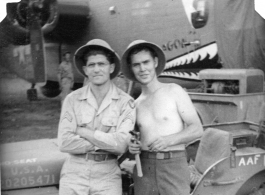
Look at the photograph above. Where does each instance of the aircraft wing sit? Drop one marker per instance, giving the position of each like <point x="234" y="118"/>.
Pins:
<point x="31" y="164"/>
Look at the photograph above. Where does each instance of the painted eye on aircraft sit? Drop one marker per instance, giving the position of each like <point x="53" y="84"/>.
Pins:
<point x="199" y="18"/>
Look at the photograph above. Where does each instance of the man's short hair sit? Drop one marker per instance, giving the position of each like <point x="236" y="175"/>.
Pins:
<point x="138" y="49"/>
<point x="96" y="51"/>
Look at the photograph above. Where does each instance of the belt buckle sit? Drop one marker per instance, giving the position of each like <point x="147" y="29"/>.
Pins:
<point x="98" y="157"/>
<point x="160" y="156"/>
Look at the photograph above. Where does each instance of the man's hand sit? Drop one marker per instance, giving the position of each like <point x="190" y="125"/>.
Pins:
<point x="160" y="143"/>
<point x="134" y="146"/>
<point x="84" y="132"/>
<point x="80" y="131"/>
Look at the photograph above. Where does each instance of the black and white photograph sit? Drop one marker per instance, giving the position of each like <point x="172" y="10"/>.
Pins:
<point x="132" y="97"/>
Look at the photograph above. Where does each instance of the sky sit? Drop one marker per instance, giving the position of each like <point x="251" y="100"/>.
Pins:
<point x="260" y="7"/>
<point x="3" y="7"/>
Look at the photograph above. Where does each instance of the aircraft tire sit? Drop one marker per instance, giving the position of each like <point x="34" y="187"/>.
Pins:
<point x="32" y="94"/>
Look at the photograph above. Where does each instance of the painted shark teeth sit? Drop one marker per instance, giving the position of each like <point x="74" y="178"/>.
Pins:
<point x="184" y="75"/>
<point x="204" y="53"/>
<point x="194" y="56"/>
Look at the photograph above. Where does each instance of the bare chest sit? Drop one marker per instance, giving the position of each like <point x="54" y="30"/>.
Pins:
<point x="156" y="110"/>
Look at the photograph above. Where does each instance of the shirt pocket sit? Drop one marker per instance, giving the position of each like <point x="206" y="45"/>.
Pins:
<point x="84" y="119"/>
<point x="109" y="124"/>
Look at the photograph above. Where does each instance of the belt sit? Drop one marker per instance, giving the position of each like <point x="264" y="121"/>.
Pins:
<point x="96" y="157"/>
<point x="162" y="155"/>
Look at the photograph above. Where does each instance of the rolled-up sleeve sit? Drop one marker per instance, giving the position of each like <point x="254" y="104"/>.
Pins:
<point x="68" y="140"/>
<point x="115" y="142"/>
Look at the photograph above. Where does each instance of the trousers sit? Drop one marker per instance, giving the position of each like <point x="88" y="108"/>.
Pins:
<point x="88" y="177"/>
<point x="163" y="176"/>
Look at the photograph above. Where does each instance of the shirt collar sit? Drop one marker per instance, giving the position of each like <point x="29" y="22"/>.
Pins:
<point x="112" y="93"/>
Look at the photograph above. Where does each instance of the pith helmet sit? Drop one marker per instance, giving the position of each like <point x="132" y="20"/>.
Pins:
<point x="79" y="60"/>
<point x="126" y="69"/>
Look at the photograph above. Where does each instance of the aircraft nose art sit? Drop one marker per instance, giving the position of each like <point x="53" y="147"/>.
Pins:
<point x="202" y="58"/>
<point x="197" y="12"/>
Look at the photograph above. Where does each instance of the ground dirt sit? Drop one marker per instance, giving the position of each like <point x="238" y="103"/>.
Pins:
<point x="21" y="119"/>
<point x="29" y="120"/>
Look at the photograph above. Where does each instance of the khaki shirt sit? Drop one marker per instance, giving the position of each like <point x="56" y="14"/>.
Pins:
<point x="111" y="122"/>
<point x="65" y="70"/>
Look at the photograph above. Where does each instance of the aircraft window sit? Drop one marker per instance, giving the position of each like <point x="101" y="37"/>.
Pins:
<point x="199" y="18"/>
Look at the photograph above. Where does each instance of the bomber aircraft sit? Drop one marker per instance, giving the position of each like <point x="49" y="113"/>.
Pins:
<point x="194" y="34"/>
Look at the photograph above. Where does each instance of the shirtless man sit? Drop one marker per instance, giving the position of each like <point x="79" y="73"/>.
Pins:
<point x="167" y="120"/>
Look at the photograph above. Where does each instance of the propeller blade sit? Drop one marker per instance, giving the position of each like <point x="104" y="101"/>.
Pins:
<point x="37" y="49"/>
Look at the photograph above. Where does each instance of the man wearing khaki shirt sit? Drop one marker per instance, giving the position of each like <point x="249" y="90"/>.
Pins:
<point x="65" y="76"/>
<point x="95" y="122"/>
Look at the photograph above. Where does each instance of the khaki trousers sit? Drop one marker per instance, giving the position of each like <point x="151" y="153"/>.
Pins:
<point x="88" y="177"/>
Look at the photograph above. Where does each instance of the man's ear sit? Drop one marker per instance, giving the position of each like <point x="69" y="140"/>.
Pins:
<point x="156" y="61"/>
<point x="84" y="69"/>
<point x="112" y="68"/>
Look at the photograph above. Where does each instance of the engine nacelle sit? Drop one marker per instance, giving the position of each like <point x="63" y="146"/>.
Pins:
<point x="59" y="19"/>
